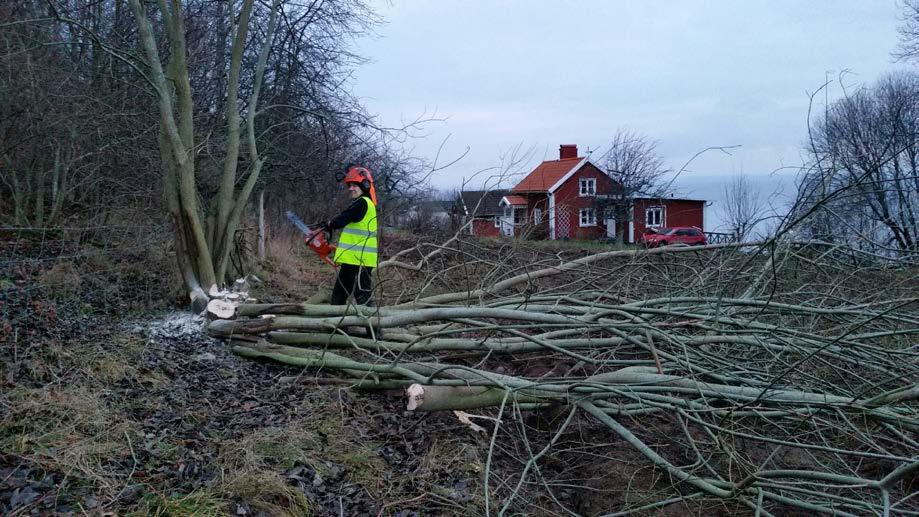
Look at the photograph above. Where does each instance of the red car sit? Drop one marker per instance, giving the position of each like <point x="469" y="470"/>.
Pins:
<point x="682" y="235"/>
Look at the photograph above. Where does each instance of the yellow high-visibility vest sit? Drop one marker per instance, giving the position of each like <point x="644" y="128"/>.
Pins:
<point x="357" y="243"/>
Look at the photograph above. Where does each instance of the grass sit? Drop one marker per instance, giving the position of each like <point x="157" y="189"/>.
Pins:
<point x="316" y="443"/>
<point x="58" y="415"/>
<point x="63" y="279"/>
<point x="291" y="272"/>
<point x="449" y="459"/>
<point x="200" y="503"/>
<point x="452" y="456"/>
<point x="115" y="361"/>
<point x="39" y="416"/>
<point x="66" y="429"/>
<point x="267" y="491"/>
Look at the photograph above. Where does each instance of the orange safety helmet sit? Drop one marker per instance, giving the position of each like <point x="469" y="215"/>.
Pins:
<point x="362" y="176"/>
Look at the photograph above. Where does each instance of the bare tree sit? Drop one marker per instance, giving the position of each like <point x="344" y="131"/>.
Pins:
<point x="742" y="208"/>
<point x="204" y="243"/>
<point x="246" y="95"/>
<point x="864" y="182"/>
<point x="633" y="162"/>
<point x="308" y="117"/>
<point x="70" y="120"/>
<point x="908" y="48"/>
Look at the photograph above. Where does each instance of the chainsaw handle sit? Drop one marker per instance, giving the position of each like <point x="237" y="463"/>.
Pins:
<point x="307" y="239"/>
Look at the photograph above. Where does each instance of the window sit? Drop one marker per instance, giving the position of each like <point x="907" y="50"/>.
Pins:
<point x="537" y="215"/>
<point x="497" y="222"/>
<point x="588" y="186"/>
<point x="654" y="216"/>
<point x="588" y="217"/>
<point x="520" y="215"/>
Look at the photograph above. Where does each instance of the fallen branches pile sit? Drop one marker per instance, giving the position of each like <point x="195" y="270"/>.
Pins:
<point x="738" y="358"/>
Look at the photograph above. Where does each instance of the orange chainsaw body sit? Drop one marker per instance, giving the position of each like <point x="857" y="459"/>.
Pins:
<point x="318" y="242"/>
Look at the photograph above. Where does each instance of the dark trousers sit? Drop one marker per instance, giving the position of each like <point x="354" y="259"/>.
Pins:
<point x="352" y="280"/>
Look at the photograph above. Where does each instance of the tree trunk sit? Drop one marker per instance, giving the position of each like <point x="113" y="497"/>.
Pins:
<point x="224" y="202"/>
<point x="204" y="247"/>
<point x="240" y="200"/>
<point x="420" y="397"/>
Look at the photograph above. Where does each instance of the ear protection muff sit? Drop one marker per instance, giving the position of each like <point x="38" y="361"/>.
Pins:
<point x="362" y="176"/>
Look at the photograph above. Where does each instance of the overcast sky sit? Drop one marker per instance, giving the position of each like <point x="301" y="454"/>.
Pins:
<point x="533" y="74"/>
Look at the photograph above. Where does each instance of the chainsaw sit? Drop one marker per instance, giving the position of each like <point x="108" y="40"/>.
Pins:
<point x="315" y="239"/>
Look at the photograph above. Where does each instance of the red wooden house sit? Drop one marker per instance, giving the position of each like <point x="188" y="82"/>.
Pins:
<point x="558" y="199"/>
<point x="571" y="198"/>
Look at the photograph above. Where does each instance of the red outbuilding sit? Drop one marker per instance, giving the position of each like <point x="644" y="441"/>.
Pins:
<point x="664" y="212"/>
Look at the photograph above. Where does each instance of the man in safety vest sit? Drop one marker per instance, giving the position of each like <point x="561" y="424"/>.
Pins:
<point x="356" y="253"/>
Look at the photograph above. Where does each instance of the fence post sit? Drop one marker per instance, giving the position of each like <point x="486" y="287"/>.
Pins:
<point x="261" y="225"/>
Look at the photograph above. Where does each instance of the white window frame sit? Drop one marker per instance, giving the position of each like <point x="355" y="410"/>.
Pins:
<point x="523" y="217"/>
<point x="649" y="216"/>
<point x="587" y="187"/>
<point x="587" y="217"/>
<point x="537" y="215"/>
<point x="497" y="222"/>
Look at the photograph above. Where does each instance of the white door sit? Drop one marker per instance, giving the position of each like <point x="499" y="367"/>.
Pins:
<point x="611" y="228"/>
<point x="507" y="226"/>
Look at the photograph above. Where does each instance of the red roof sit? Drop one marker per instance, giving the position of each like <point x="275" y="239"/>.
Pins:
<point x="515" y="200"/>
<point x="545" y="175"/>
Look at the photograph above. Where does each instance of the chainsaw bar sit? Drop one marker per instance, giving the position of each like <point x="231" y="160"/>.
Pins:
<point x="292" y="217"/>
<point x="315" y="240"/>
